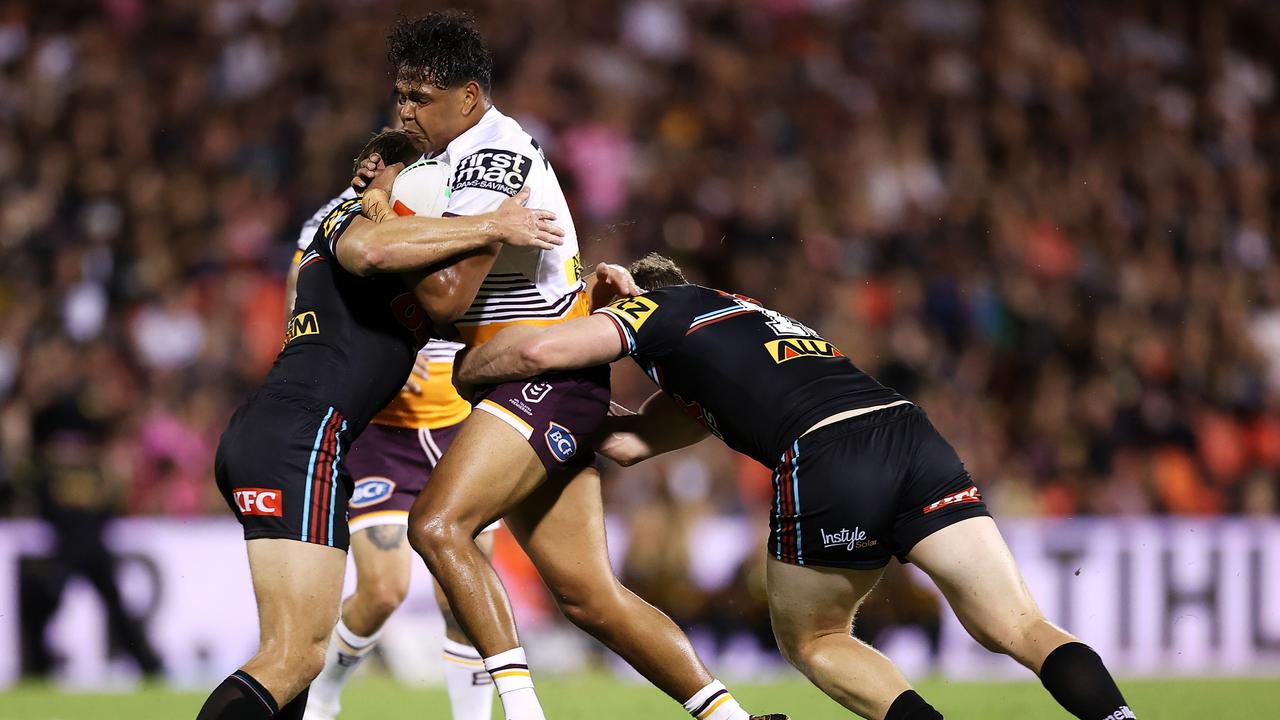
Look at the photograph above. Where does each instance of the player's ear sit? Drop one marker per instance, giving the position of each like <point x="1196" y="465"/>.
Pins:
<point x="470" y="98"/>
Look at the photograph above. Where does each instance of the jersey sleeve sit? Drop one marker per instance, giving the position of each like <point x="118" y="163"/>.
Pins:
<point x="651" y="325"/>
<point x="483" y="179"/>
<point x="337" y="221"/>
<point x="308" y="231"/>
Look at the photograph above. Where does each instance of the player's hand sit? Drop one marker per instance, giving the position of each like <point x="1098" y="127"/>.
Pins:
<point x="384" y="178"/>
<point x="613" y="281"/>
<point x="366" y="171"/>
<point x="421" y="371"/>
<point x="516" y="225"/>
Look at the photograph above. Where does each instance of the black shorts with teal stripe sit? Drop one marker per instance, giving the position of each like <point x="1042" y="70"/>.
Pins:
<point x="280" y="467"/>
<point x="859" y="491"/>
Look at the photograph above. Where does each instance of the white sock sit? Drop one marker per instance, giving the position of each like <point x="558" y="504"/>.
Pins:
<point x="346" y="650"/>
<point x="469" y="685"/>
<point x="510" y="673"/>
<point x="714" y="702"/>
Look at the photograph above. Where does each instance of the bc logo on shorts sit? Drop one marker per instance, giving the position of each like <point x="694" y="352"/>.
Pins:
<point x="371" y="491"/>
<point x="561" y="442"/>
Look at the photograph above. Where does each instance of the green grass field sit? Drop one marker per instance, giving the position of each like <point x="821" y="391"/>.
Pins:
<point x="597" y="696"/>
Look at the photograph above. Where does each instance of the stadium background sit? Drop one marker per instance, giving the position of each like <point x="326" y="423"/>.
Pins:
<point x="1052" y="224"/>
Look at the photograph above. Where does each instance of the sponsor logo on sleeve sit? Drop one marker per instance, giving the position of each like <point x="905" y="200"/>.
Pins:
<point x="335" y="217"/>
<point x="501" y="171"/>
<point x="964" y="496"/>
<point x="260" y="501"/>
<point x="634" y="311"/>
<point x="797" y="347"/>
<point x="371" y="491"/>
<point x="849" y="539"/>
<point x="561" y="442"/>
<point x="305" y="323"/>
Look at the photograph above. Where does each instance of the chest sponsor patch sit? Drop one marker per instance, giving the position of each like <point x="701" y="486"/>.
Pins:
<point x="791" y="348"/>
<point x="501" y="171"/>
<point x="634" y="311"/>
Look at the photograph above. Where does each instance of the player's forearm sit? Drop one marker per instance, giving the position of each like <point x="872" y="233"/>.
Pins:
<point x="407" y="243"/>
<point x="503" y="358"/>
<point x="660" y="427"/>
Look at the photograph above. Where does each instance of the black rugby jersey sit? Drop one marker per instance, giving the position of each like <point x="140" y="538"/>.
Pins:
<point x="753" y="377"/>
<point x="351" y="341"/>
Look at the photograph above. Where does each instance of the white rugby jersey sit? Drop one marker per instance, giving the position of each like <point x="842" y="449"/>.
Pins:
<point x="491" y="162"/>
<point x="437" y="351"/>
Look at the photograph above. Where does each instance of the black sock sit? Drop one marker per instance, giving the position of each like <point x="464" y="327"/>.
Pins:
<point x="1075" y="676"/>
<point x="296" y="706"/>
<point x="239" y="697"/>
<point x="910" y="706"/>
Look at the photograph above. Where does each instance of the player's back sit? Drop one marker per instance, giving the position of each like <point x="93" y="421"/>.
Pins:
<point x="351" y="341"/>
<point x="754" y="377"/>
<point x="491" y="162"/>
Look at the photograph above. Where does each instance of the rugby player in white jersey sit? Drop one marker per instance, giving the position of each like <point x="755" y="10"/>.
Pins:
<point x="524" y="455"/>
<point x="390" y="464"/>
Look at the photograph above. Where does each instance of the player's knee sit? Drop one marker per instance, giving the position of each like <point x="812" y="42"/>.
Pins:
<point x="793" y="649"/>
<point x="383" y="597"/>
<point x="590" y="608"/>
<point x="300" y="658"/>
<point x="435" y="535"/>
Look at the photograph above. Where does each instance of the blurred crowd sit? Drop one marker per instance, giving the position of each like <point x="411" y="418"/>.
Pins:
<point x="1050" y="224"/>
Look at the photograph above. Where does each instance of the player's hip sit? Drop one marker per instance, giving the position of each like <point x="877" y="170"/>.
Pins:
<point x="556" y="413"/>
<point x="391" y="466"/>
<point x="858" y="491"/>
<point x="280" y="466"/>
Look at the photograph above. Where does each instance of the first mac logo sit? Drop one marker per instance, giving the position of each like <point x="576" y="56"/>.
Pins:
<point x="260" y="501"/>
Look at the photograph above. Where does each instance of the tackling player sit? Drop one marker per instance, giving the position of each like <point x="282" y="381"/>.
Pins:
<point x="861" y="476"/>
<point x="522" y="455"/>
<point x="390" y="463"/>
<point x="350" y="344"/>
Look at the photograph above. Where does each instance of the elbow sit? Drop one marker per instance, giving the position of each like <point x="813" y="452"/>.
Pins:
<point x="443" y="312"/>
<point x="364" y="259"/>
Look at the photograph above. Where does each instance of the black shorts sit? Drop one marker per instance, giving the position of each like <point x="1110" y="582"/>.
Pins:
<point x="856" y="492"/>
<point x="280" y="467"/>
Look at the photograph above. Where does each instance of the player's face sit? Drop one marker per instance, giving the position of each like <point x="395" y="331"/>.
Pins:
<point x="432" y="115"/>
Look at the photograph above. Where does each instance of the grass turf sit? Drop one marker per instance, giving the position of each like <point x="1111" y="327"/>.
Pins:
<point x="593" y="696"/>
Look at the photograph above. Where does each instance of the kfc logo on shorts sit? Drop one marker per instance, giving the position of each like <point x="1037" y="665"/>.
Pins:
<point x="260" y="501"/>
<point x="561" y="442"/>
<point x="535" y="392"/>
<point x="964" y="496"/>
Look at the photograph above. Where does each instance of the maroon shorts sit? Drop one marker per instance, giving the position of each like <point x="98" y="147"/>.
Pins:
<point x="391" y="466"/>
<point x="556" y="412"/>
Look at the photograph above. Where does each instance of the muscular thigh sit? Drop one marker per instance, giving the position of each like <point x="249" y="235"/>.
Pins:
<point x="805" y="602"/>
<point x="561" y="528"/>
<point x="297" y="586"/>
<point x="485" y="472"/>
<point x="382" y="555"/>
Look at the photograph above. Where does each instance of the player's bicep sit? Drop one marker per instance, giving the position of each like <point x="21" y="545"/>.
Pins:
<point x="446" y="291"/>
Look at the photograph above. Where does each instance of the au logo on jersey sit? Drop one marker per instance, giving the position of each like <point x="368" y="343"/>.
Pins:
<point x="561" y="442"/>
<point x="633" y="310"/>
<point x="791" y="348"/>
<point x="501" y="171"/>
<point x="302" y="324"/>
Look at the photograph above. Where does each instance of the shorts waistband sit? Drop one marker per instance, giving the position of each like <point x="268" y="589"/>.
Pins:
<point x="860" y="419"/>
<point x="832" y="420"/>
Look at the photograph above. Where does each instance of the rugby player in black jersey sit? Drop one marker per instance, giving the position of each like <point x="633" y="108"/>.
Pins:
<point x="350" y="344"/>
<point x="860" y="476"/>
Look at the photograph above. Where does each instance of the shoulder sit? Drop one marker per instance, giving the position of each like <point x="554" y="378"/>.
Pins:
<point x="308" y="232"/>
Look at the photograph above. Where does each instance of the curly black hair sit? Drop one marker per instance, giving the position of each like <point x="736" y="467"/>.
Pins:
<point x="441" y="48"/>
